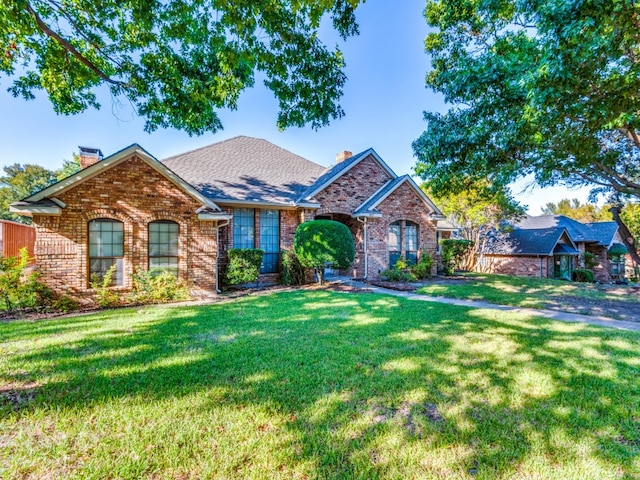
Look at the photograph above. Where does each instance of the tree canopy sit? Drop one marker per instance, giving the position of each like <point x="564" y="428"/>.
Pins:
<point x="479" y="211"/>
<point x="582" y="212"/>
<point x="549" y="88"/>
<point x="20" y="181"/>
<point x="177" y="62"/>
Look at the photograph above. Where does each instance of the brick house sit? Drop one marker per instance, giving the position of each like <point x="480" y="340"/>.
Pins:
<point x="182" y="214"/>
<point x="552" y="246"/>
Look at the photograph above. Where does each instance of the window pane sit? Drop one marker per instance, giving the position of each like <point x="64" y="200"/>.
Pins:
<point x="106" y="244"/>
<point x="163" y="246"/>
<point x="411" y="236"/>
<point x="394" y="237"/>
<point x="243" y="228"/>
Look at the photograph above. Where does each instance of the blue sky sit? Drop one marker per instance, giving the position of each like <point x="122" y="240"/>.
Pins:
<point x="383" y="99"/>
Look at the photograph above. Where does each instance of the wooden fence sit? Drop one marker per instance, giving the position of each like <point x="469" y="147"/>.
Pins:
<point x="14" y="236"/>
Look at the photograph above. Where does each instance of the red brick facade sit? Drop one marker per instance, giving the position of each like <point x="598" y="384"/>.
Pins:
<point x="520" y="266"/>
<point x="132" y="192"/>
<point x="135" y="194"/>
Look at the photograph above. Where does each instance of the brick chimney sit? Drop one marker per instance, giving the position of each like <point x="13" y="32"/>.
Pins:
<point x="343" y="155"/>
<point x="89" y="156"/>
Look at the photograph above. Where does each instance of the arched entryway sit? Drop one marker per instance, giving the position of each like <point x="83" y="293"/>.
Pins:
<point x="357" y="231"/>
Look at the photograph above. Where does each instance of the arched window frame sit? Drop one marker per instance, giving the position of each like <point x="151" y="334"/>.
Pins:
<point x="403" y="241"/>
<point x="106" y="248"/>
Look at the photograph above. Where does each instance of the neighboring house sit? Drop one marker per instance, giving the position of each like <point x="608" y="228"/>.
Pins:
<point x="552" y="246"/>
<point x="184" y="213"/>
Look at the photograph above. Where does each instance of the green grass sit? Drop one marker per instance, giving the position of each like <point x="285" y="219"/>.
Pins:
<point x="314" y="384"/>
<point x="518" y="291"/>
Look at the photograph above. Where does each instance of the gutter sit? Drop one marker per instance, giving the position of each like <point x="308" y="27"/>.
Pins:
<point x="218" y="227"/>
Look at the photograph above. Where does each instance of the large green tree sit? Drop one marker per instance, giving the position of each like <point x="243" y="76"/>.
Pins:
<point x="544" y="87"/>
<point x="177" y="61"/>
<point x="582" y="212"/>
<point x="480" y="213"/>
<point x="20" y="181"/>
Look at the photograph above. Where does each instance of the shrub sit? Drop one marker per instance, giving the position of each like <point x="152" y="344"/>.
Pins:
<point x="154" y="287"/>
<point x="452" y="252"/>
<point x="64" y="303"/>
<point x="324" y="242"/>
<point x="18" y="288"/>
<point x="293" y="273"/>
<point x="422" y="269"/>
<point x="583" y="275"/>
<point x="244" y="265"/>
<point x="590" y="260"/>
<point x="105" y="296"/>
<point x="400" y="272"/>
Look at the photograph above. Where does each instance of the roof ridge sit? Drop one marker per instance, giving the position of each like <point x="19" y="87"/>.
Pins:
<point x="207" y="146"/>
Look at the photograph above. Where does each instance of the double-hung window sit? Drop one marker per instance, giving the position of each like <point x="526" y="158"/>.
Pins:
<point x="163" y="247"/>
<point x="106" y="248"/>
<point x="243" y="228"/>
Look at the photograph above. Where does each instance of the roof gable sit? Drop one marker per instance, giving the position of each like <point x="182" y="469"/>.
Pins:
<point x="41" y="202"/>
<point x="531" y="241"/>
<point x="334" y="172"/>
<point x="368" y="208"/>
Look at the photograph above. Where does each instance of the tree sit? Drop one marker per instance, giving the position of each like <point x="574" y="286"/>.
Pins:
<point x="69" y="167"/>
<point x="547" y="88"/>
<point x="582" y="212"/>
<point x="318" y="243"/>
<point x="21" y="181"/>
<point x="477" y="211"/>
<point x="177" y="62"/>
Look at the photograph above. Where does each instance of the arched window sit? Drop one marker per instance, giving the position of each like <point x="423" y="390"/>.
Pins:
<point x="106" y="248"/>
<point x="163" y="247"/>
<point x="402" y="240"/>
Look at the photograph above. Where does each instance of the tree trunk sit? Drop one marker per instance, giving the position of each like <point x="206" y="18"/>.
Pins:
<point x="627" y="238"/>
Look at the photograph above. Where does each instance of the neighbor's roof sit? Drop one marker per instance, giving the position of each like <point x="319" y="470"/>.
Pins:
<point x="601" y="232"/>
<point x="534" y="241"/>
<point x="246" y="170"/>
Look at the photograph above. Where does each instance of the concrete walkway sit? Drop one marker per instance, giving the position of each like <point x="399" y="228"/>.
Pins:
<point x="550" y="314"/>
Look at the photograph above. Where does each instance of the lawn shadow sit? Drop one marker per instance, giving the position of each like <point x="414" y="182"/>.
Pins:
<point x="353" y="375"/>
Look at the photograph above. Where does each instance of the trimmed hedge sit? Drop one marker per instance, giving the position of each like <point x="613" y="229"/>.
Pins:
<point x="244" y="265"/>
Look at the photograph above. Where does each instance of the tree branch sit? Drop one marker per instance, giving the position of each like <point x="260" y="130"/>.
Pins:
<point x="71" y="49"/>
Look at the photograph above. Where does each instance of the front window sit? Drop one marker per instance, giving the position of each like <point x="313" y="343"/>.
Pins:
<point x="394" y="241"/>
<point x="402" y="240"/>
<point x="106" y="248"/>
<point x="270" y="240"/>
<point x="411" y="242"/>
<point x="243" y="228"/>
<point x="163" y="247"/>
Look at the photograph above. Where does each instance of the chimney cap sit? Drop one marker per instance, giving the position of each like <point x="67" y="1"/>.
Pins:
<point x="90" y="151"/>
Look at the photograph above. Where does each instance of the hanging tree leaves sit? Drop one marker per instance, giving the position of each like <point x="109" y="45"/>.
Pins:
<point x="543" y="87"/>
<point x="177" y="62"/>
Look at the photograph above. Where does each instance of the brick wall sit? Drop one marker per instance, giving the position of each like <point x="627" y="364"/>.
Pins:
<point x="521" y="266"/>
<point x="135" y="194"/>
<point x="352" y="189"/>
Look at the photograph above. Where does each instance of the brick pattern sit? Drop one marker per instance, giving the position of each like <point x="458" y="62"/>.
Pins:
<point x="522" y="266"/>
<point x="350" y="191"/>
<point x="135" y="194"/>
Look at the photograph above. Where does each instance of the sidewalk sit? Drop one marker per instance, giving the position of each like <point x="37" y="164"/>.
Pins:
<point x="550" y="314"/>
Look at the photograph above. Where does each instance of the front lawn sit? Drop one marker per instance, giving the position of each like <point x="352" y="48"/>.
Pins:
<point x="540" y="293"/>
<point x="317" y="384"/>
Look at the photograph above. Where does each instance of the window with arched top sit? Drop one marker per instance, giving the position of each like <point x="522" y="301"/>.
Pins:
<point x="163" y="247"/>
<point x="106" y="248"/>
<point x="402" y="241"/>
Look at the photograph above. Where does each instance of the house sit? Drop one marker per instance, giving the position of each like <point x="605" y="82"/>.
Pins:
<point x="183" y="214"/>
<point x="552" y="246"/>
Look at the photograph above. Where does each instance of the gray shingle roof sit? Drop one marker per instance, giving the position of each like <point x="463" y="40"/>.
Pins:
<point x="366" y="207"/>
<point x="533" y="241"/>
<point x="246" y="169"/>
<point x="600" y="232"/>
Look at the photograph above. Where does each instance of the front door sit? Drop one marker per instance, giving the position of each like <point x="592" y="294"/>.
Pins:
<point x="563" y="267"/>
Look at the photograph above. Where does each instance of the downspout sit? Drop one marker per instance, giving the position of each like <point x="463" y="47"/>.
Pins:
<point x="218" y="227"/>
<point x="366" y="261"/>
